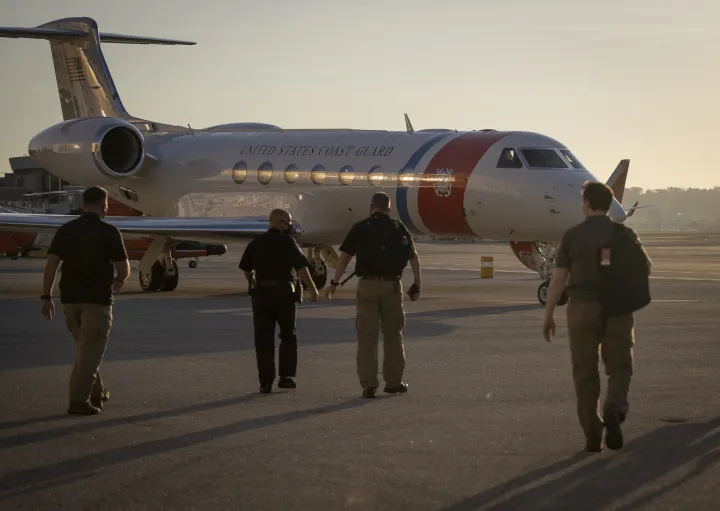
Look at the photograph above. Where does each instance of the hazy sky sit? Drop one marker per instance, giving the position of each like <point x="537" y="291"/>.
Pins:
<point x="616" y="79"/>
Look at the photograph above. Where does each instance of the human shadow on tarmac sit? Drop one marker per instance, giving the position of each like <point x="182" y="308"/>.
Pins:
<point x="86" y="427"/>
<point x="197" y="327"/>
<point x="609" y="478"/>
<point x="25" y="481"/>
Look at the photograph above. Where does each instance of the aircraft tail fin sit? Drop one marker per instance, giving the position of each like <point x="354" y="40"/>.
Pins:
<point x="618" y="178"/>
<point x="84" y="82"/>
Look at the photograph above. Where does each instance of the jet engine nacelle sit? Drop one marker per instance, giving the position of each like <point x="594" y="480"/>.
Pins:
<point x="77" y="149"/>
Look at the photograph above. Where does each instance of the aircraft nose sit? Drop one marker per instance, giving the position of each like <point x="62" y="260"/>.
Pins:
<point x="617" y="211"/>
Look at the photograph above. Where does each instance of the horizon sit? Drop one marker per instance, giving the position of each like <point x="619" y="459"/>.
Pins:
<point x="638" y="88"/>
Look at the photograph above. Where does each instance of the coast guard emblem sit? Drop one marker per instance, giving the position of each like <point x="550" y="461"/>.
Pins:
<point x="443" y="186"/>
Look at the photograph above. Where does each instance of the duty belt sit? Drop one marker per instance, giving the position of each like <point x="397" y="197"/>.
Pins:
<point x="381" y="277"/>
<point x="273" y="283"/>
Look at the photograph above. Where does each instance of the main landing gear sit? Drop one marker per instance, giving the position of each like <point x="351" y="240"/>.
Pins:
<point x="164" y="275"/>
<point x="320" y="258"/>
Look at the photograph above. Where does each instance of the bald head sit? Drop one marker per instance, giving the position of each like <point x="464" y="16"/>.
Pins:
<point x="280" y="219"/>
<point x="380" y="203"/>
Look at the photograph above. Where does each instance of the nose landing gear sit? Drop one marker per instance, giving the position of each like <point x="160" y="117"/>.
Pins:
<point x="318" y="266"/>
<point x="542" y="294"/>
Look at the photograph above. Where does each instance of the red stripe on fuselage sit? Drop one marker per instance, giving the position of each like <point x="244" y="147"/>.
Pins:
<point x="443" y="213"/>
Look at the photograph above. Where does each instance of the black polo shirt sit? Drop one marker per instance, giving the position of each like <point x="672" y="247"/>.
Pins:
<point x="273" y="255"/>
<point x="578" y="251"/>
<point x="87" y="246"/>
<point x="358" y="243"/>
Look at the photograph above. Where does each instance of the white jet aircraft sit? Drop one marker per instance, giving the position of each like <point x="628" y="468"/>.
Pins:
<point x="218" y="184"/>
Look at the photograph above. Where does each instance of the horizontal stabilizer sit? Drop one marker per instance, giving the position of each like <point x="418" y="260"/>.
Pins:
<point x="70" y="35"/>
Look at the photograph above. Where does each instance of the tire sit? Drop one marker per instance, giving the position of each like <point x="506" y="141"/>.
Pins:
<point x="171" y="283"/>
<point x="153" y="280"/>
<point x="542" y="292"/>
<point x="192" y="264"/>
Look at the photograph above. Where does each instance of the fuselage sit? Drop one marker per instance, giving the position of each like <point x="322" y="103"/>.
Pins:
<point x="515" y="186"/>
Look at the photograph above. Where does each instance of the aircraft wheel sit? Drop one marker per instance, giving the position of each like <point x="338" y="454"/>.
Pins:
<point x="14" y="257"/>
<point x="192" y="264"/>
<point x="542" y="292"/>
<point x="171" y="282"/>
<point x="152" y="280"/>
<point x="318" y="272"/>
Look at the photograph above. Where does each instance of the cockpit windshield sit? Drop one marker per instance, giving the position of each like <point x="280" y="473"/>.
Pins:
<point x="544" y="159"/>
<point x="571" y="158"/>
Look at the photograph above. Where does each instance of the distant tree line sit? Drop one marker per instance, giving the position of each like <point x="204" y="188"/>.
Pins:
<point x="675" y="209"/>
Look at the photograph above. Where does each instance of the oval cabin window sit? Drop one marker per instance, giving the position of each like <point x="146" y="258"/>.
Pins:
<point x="291" y="174"/>
<point x="376" y="176"/>
<point x="346" y="175"/>
<point x="265" y="173"/>
<point x="318" y="174"/>
<point x="239" y="172"/>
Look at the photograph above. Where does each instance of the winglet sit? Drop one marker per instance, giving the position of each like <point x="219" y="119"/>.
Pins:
<point x="408" y="125"/>
<point x="618" y="178"/>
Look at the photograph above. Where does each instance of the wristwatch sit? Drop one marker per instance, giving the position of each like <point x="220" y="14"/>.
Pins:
<point x="45" y="297"/>
<point x="334" y="283"/>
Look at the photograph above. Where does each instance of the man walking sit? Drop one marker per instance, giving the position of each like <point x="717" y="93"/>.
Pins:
<point x="88" y="247"/>
<point x="582" y="255"/>
<point x="383" y="247"/>
<point x="268" y="262"/>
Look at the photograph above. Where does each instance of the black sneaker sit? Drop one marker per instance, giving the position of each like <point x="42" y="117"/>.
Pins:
<point x="82" y="409"/>
<point x="369" y="392"/>
<point x="286" y="383"/>
<point x="399" y="389"/>
<point x="614" y="436"/>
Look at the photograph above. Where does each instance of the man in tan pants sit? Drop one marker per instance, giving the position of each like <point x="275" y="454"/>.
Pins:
<point x="88" y="248"/>
<point x="592" y="335"/>
<point x="383" y="247"/>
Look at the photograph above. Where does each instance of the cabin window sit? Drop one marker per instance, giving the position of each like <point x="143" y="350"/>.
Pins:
<point x="571" y="158"/>
<point x="292" y="174"/>
<point x="317" y="175"/>
<point x="376" y="176"/>
<point x="239" y="172"/>
<point x="346" y="175"/>
<point x="544" y="159"/>
<point x="265" y="173"/>
<point x="509" y="159"/>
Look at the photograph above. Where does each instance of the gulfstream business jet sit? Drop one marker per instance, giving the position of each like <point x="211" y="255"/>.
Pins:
<point x="218" y="183"/>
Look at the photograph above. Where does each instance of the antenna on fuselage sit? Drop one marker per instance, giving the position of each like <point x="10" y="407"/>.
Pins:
<point x="408" y="125"/>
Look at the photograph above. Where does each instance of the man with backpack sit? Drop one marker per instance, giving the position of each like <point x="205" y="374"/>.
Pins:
<point x="608" y="272"/>
<point x="383" y="247"/>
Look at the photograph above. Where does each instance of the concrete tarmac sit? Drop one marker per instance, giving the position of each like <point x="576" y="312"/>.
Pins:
<point x="488" y="423"/>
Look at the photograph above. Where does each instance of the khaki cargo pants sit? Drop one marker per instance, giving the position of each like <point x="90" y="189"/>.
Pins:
<point x="614" y="341"/>
<point x="90" y="325"/>
<point x="380" y="307"/>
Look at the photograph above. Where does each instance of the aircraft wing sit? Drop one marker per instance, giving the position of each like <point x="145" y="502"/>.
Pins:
<point x="206" y="229"/>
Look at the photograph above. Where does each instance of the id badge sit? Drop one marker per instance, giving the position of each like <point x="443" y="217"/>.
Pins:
<point x="605" y="257"/>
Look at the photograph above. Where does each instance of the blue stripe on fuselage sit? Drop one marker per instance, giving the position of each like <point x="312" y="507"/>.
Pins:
<point x="401" y="196"/>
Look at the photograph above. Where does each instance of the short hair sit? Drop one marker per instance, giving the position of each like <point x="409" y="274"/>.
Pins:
<point x="94" y="195"/>
<point x="278" y="214"/>
<point x="380" y="200"/>
<point x="598" y="195"/>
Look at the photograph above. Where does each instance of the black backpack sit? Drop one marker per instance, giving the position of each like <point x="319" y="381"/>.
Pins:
<point x="624" y="273"/>
<point x="387" y="246"/>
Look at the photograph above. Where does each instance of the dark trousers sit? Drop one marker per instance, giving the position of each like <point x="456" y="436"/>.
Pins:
<point x="274" y="305"/>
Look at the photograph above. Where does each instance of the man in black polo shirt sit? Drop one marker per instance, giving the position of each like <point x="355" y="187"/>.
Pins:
<point x="268" y="262"/>
<point x="577" y="264"/>
<point x="383" y="247"/>
<point x="88" y="248"/>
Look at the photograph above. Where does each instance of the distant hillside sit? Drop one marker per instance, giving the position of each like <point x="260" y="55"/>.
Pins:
<point x="675" y="209"/>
